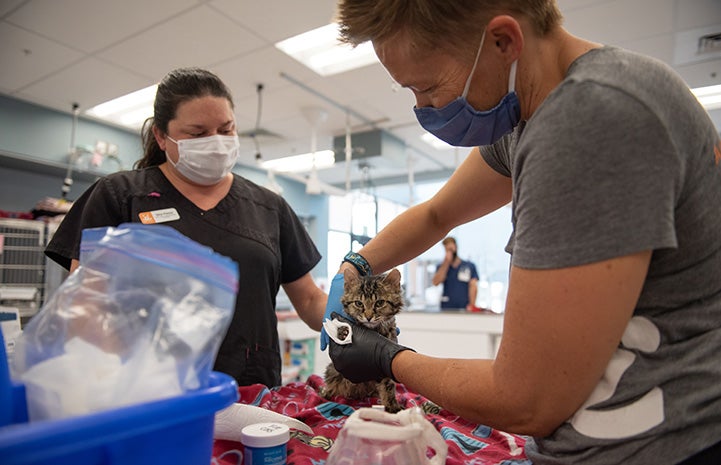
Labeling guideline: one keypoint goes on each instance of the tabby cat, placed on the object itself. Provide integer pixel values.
(373, 301)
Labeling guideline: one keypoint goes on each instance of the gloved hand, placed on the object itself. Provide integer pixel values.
(367, 358)
(333, 305)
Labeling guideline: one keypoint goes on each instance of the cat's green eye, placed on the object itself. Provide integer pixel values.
(358, 303)
(380, 303)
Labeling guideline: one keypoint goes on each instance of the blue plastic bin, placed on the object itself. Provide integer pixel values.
(173, 431)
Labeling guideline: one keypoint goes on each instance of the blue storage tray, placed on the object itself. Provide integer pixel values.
(173, 431)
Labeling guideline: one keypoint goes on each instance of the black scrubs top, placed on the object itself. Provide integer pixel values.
(251, 225)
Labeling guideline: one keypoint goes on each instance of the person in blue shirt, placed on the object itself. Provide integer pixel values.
(459, 278)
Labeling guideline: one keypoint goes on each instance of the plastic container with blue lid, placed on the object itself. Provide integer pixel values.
(265, 443)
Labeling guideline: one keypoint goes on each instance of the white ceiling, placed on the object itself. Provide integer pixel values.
(57, 52)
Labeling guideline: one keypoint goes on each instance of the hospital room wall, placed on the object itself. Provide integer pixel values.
(34, 147)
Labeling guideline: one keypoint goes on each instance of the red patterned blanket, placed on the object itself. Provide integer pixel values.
(468, 443)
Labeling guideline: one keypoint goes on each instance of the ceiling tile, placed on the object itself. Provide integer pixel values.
(693, 14)
(619, 21)
(88, 82)
(264, 66)
(27, 57)
(200, 37)
(91, 25)
(275, 21)
(356, 84)
(371, 87)
(660, 47)
(7, 6)
(570, 5)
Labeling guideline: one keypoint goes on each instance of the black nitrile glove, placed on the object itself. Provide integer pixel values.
(367, 358)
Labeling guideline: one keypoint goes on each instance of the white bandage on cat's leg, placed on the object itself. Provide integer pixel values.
(331, 328)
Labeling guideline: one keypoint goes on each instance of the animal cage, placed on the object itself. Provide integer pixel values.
(22, 265)
(54, 273)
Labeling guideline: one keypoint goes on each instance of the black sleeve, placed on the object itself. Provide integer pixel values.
(97, 206)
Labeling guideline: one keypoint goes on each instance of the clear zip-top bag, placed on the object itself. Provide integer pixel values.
(140, 319)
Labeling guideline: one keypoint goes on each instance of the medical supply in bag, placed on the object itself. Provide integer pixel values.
(375, 437)
(140, 319)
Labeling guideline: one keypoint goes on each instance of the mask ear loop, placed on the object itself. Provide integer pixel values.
(512, 77)
(172, 163)
(473, 70)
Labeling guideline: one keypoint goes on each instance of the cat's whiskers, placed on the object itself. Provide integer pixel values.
(372, 324)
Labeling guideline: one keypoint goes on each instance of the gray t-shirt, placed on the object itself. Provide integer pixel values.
(618, 159)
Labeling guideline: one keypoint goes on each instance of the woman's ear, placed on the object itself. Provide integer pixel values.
(506, 35)
(159, 137)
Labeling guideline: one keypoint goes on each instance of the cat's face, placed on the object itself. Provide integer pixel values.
(372, 300)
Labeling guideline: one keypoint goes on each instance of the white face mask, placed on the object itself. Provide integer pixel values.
(206, 160)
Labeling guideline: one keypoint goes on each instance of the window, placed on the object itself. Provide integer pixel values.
(357, 217)
(353, 220)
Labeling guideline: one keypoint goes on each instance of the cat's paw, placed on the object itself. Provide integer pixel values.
(393, 407)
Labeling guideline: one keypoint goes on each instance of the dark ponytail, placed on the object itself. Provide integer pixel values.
(178, 86)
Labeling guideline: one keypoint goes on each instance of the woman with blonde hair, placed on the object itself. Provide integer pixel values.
(611, 348)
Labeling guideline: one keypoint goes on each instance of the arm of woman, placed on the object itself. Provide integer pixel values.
(422, 226)
(561, 328)
(308, 300)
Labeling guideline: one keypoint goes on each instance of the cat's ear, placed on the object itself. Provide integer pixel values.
(349, 277)
(393, 277)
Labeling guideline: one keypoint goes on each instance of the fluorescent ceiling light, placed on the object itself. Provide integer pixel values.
(435, 142)
(130, 110)
(301, 163)
(710, 96)
(321, 51)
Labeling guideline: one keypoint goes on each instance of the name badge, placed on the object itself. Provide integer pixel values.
(464, 274)
(159, 216)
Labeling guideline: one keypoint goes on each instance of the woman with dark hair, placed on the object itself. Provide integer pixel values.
(184, 180)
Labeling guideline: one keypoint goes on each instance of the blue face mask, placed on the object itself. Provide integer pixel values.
(461, 125)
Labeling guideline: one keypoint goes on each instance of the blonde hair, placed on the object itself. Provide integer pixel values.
(436, 23)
